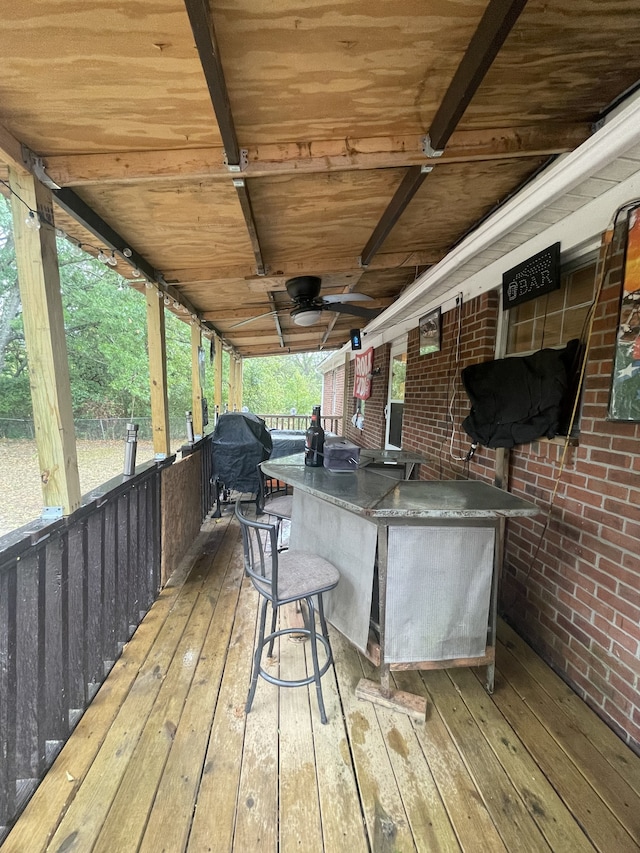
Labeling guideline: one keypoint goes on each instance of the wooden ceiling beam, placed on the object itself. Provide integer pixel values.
(247, 211)
(328, 155)
(204, 34)
(497, 22)
(13, 153)
(409, 186)
(185, 276)
(199, 12)
(494, 27)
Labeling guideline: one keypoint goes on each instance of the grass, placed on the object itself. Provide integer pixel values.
(20, 491)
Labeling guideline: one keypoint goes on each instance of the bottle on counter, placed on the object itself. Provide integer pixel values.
(314, 441)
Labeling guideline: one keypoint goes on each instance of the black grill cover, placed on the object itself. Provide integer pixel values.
(241, 441)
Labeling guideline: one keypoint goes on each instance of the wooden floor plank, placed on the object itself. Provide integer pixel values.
(550, 813)
(600, 826)
(127, 818)
(178, 789)
(515, 824)
(300, 826)
(214, 817)
(343, 825)
(41, 818)
(387, 823)
(257, 806)
(600, 736)
(603, 778)
(430, 824)
(529, 768)
(83, 821)
(468, 814)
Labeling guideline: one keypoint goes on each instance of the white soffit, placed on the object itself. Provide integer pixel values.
(572, 201)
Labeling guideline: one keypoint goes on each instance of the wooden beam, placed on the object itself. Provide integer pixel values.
(319, 156)
(382, 261)
(247, 211)
(409, 186)
(196, 385)
(239, 379)
(199, 12)
(493, 29)
(217, 369)
(39, 280)
(13, 153)
(158, 375)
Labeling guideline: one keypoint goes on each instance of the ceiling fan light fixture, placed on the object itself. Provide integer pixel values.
(307, 317)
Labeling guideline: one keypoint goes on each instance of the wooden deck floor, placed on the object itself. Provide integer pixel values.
(166, 760)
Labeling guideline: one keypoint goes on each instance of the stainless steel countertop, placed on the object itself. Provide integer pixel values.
(368, 493)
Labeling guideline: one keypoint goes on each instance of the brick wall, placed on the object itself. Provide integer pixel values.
(571, 589)
(373, 434)
(578, 602)
(332, 392)
(435, 401)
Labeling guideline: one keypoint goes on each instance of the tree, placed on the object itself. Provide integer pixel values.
(278, 384)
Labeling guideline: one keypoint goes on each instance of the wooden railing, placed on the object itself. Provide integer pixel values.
(330, 423)
(71, 594)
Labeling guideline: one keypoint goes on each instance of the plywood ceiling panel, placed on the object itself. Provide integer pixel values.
(190, 224)
(332, 98)
(102, 76)
(453, 198)
(301, 71)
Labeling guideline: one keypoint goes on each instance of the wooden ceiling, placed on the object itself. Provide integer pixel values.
(232, 145)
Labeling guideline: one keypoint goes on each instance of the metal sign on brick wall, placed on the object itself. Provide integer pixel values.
(532, 278)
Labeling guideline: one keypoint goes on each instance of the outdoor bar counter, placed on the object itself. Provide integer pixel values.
(418, 564)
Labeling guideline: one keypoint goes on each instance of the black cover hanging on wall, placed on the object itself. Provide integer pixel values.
(516, 400)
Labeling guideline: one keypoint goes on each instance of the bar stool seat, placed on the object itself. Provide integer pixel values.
(279, 507)
(283, 578)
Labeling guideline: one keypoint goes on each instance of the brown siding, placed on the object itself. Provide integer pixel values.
(181, 510)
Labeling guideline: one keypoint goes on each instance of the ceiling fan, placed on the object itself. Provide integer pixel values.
(308, 305)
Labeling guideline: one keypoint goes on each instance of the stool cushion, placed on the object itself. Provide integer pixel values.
(280, 507)
(301, 574)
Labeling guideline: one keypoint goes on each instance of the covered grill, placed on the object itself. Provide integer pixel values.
(241, 441)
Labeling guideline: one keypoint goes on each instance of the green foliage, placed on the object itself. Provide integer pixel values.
(278, 384)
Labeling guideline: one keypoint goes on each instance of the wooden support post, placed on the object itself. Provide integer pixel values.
(217, 369)
(39, 280)
(158, 375)
(239, 367)
(196, 385)
(346, 395)
(232, 383)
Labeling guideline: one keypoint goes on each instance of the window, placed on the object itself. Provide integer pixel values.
(555, 319)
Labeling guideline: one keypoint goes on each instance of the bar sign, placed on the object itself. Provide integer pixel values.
(538, 275)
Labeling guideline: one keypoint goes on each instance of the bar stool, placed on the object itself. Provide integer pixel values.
(279, 506)
(283, 578)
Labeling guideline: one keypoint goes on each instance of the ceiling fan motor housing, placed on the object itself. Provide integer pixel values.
(304, 288)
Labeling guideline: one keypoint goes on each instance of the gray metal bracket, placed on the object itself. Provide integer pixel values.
(242, 165)
(428, 150)
(51, 513)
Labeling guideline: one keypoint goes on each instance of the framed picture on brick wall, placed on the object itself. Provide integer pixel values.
(430, 332)
(624, 402)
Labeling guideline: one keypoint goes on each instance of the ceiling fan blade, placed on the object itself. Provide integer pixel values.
(355, 310)
(347, 297)
(251, 319)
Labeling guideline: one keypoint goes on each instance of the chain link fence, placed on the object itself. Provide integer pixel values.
(93, 429)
